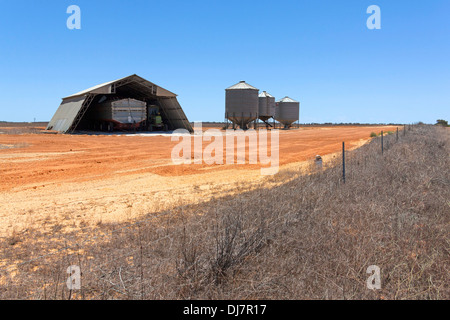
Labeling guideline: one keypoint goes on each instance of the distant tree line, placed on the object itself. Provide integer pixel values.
(441, 122)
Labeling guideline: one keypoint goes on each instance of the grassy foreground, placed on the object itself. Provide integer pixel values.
(312, 237)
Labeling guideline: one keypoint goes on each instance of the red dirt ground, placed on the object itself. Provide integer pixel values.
(39, 159)
(69, 182)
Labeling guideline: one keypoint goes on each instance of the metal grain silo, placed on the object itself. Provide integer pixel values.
(266, 106)
(241, 104)
(287, 111)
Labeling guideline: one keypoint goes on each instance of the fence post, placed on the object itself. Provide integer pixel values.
(397, 133)
(382, 146)
(404, 129)
(343, 161)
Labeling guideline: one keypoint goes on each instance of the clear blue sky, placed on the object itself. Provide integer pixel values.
(318, 52)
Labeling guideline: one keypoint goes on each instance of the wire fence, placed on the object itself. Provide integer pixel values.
(386, 141)
(123, 272)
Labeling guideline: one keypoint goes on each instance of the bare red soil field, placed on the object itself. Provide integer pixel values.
(41, 159)
(68, 182)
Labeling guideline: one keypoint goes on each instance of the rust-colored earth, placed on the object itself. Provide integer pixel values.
(38, 160)
(73, 180)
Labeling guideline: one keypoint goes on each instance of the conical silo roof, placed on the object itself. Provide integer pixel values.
(287, 99)
(265, 94)
(242, 85)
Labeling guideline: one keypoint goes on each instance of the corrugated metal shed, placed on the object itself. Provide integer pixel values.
(67, 111)
(73, 107)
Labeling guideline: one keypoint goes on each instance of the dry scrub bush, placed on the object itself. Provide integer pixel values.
(310, 238)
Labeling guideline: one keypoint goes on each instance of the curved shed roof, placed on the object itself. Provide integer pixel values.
(73, 107)
(108, 87)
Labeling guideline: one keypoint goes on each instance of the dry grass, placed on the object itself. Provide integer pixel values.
(310, 238)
